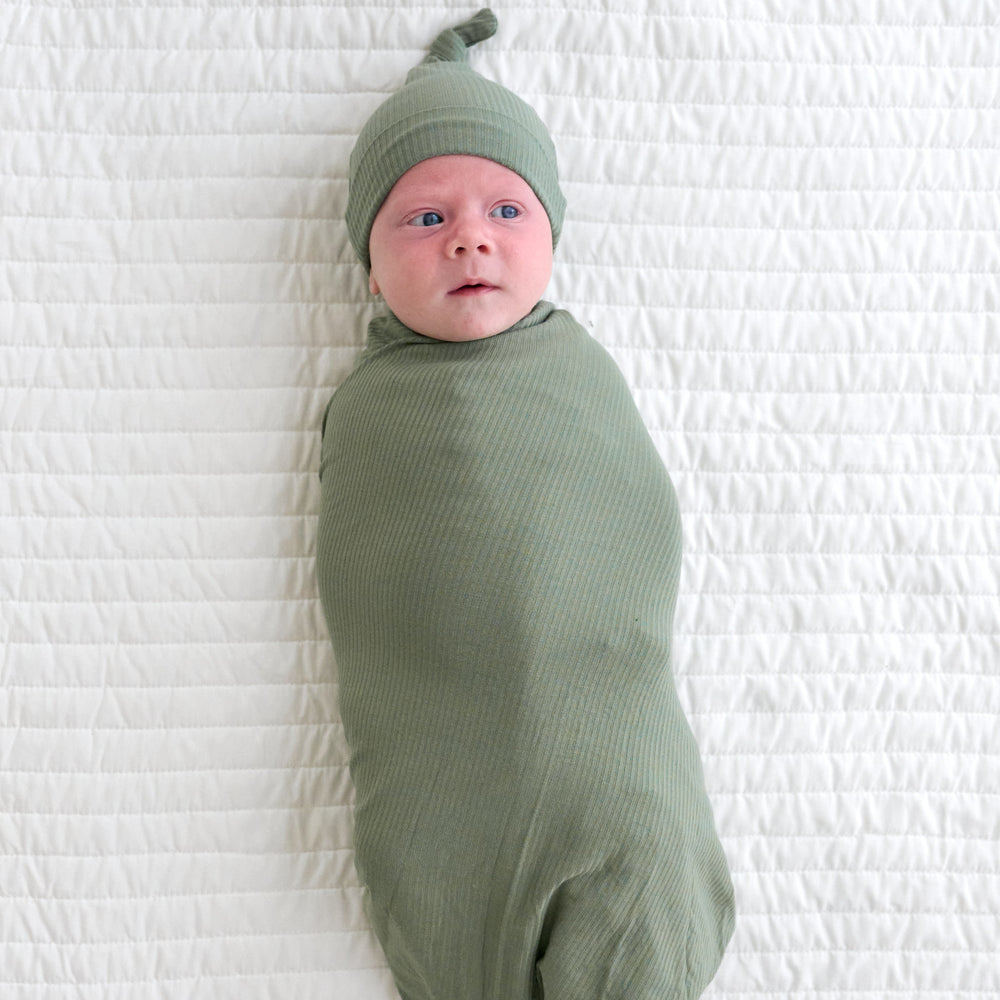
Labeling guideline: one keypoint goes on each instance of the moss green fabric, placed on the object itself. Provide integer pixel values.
(498, 558)
(446, 108)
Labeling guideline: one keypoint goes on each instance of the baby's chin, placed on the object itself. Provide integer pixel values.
(467, 326)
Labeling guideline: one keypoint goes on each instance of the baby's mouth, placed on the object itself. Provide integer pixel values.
(473, 288)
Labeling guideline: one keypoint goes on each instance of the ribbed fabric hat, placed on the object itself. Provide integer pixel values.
(446, 108)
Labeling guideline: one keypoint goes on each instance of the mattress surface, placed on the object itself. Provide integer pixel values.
(783, 224)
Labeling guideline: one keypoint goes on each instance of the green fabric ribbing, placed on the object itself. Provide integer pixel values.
(498, 557)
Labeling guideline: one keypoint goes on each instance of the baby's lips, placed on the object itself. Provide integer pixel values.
(473, 283)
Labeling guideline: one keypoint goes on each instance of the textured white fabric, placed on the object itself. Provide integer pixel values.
(783, 221)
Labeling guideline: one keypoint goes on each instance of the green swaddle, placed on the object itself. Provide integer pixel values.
(498, 559)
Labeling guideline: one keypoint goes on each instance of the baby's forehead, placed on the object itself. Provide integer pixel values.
(455, 169)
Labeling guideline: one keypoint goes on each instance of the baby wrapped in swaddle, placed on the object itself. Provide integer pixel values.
(498, 559)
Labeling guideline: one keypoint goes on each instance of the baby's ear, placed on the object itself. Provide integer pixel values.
(372, 284)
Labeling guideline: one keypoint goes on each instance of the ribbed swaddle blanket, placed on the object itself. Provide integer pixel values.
(498, 558)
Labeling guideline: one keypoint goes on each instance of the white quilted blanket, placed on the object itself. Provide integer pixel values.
(783, 222)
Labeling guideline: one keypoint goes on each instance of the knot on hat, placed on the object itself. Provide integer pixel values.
(453, 44)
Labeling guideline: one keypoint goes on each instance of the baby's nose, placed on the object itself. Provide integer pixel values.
(470, 237)
(460, 248)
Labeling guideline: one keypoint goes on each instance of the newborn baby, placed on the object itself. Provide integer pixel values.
(498, 558)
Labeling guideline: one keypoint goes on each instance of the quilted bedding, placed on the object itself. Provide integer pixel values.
(783, 224)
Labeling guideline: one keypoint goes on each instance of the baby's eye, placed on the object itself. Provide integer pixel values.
(505, 212)
(427, 219)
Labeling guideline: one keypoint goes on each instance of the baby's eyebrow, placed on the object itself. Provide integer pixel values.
(432, 198)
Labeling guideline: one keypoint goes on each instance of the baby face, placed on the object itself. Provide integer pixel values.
(461, 248)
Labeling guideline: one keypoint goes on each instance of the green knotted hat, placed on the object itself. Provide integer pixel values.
(444, 108)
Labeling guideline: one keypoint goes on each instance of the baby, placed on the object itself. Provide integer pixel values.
(498, 559)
